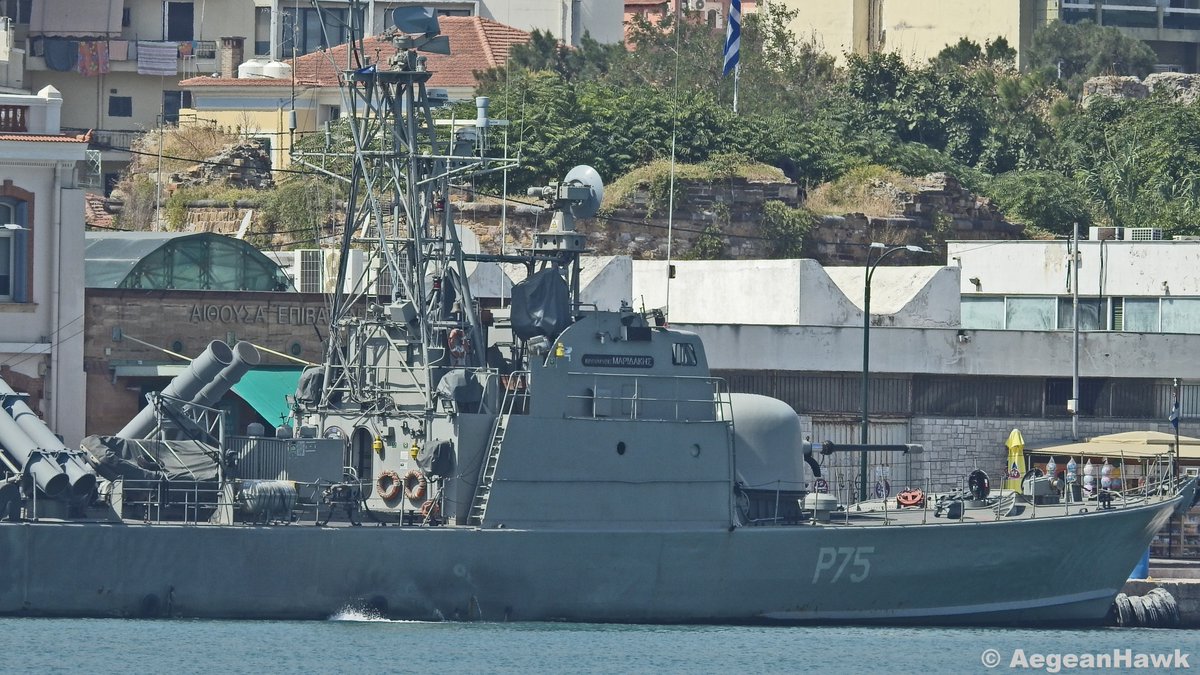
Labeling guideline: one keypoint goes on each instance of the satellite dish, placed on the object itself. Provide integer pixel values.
(416, 20)
(586, 176)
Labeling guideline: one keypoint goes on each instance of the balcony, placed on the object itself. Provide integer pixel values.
(194, 57)
(108, 139)
(1142, 19)
(14, 118)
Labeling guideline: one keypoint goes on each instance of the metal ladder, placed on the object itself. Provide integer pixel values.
(488, 473)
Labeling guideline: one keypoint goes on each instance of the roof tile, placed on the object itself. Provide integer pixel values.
(476, 44)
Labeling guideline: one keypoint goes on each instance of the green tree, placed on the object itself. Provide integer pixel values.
(1044, 199)
(1074, 52)
(786, 229)
(1138, 162)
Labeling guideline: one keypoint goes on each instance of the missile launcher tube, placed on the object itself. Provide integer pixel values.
(202, 371)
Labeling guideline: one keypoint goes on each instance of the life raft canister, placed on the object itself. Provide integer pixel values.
(911, 497)
(388, 485)
(415, 485)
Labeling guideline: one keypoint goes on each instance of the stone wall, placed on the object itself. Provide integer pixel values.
(246, 164)
(939, 209)
(736, 206)
(202, 217)
(956, 447)
(1181, 87)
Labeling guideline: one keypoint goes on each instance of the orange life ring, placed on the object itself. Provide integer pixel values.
(389, 485)
(912, 497)
(431, 510)
(457, 342)
(415, 492)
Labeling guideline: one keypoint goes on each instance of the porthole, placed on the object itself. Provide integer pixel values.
(295, 349)
(621, 447)
(177, 346)
(695, 450)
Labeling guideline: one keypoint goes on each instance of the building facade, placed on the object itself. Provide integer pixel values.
(41, 244)
(919, 29)
(937, 376)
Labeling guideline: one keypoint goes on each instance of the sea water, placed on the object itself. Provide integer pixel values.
(363, 644)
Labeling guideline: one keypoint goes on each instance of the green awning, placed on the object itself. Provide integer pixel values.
(265, 390)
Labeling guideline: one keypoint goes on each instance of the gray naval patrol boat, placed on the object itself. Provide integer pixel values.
(545, 461)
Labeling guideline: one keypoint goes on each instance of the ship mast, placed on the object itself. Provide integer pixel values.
(397, 211)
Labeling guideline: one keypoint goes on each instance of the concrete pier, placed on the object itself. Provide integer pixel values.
(1180, 578)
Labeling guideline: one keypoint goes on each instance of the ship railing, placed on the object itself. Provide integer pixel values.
(159, 501)
(1157, 484)
(200, 502)
(640, 397)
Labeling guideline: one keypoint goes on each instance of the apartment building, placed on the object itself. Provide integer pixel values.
(41, 246)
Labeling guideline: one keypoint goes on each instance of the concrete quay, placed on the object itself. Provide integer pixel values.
(1180, 578)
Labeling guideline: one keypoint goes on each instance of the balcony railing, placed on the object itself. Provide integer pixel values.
(1132, 14)
(14, 118)
(108, 139)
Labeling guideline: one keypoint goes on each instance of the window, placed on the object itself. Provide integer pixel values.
(13, 247)
(180, 21)
(120, 106)
(307, 30)
(1091, 314)
(17, 10)
(126, 17)
(173, 101)
(1031, 313)
(983, 313)
(262, 31)
(6, 265)
(1140, 315)
(1180, 315)
(683, 354)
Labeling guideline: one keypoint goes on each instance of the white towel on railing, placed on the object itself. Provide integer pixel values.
(157, 58)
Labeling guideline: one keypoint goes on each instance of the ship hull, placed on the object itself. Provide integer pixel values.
(1048, 570)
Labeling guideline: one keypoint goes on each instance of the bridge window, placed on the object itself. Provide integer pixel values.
(683, 354)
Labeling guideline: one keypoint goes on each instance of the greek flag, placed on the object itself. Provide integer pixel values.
(1173, 418)
(733, 35)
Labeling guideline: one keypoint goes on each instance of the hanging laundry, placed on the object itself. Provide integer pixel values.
(186, 49)
(93, 58)
(118, 50)
(61, 55)
(158, 58)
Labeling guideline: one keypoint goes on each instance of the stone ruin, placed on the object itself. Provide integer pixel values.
(1181, 87)
(245, 164)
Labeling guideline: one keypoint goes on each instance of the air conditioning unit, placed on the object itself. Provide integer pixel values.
(1143, 234)
(696, 5)
(315, 270)
(1105, 233)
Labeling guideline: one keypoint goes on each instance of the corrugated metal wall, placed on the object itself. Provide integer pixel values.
(811, 393)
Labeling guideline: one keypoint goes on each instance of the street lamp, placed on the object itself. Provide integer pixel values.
(870, 272)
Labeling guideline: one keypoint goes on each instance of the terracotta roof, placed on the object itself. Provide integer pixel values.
(40, 138)
(476, 43)
(644, 3)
